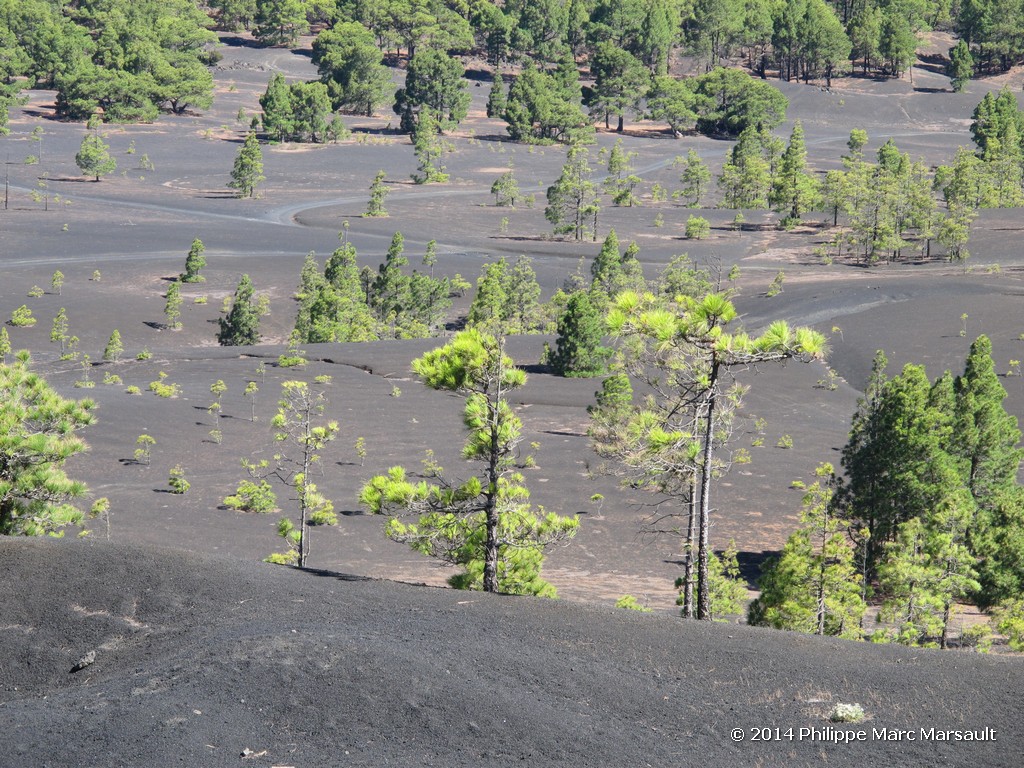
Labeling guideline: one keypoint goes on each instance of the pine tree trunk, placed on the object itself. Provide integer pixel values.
(946, 615)
(491, 504)
(821, 577)
(691, 535)
(303, 499)
(703, 552)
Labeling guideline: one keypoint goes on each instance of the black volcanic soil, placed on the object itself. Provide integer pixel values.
(198, 659)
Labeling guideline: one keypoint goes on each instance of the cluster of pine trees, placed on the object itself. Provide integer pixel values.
(927, 514)
(130, 57)
(299, 112)
(346, 303)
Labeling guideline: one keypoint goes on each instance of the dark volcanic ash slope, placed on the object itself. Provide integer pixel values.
(197, 660)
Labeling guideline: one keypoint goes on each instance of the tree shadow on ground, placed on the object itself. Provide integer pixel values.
(750, 564)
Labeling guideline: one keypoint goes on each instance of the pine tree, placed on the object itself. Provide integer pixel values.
(572, 200)
(485, 524)
(578, 352)
(337, 309)
(349, 62)
(987, 437)
(37, 437)
(172, 308)
(997, 541)
(378, 193)
(505, 189)
(280, 22)
(606, 269)
(488, 312)
(961, 66)
(276, 102)
(436, 81)
(794, 191)
(672, 446)
(59, 331)
(390, 294)
(248, 169)
(621, 181)
(907, 575)
(300, 439)
(746, 180)
(523, 292)
(241, 326)
(112, 352)
(93, 157)
(430, 257)
(497, 102)
(813, 585)
(429, 148)
(695, 178)
(897, 462)
(194, 263)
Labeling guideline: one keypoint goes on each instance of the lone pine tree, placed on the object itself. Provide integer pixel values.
(194, 263)
(247, 172)
(241, 326)
(573, 198)
(378, 193)
(675, 439)
(93, 157)
(484, 524)
(301, 439)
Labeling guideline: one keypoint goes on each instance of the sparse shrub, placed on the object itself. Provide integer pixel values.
(785, 442)
(161, 388)
(35, 292)
(630, 603)
(396, 392)
(775, 288)
(978, 638)
(145, 449)
(112, 378)
(1009, 620)
(177, 480)
(697, 228)
(22, 317)
(145, 354)
(323, 379)
(253, 497)
(323, 517)
(846, 713)
(132, 390)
